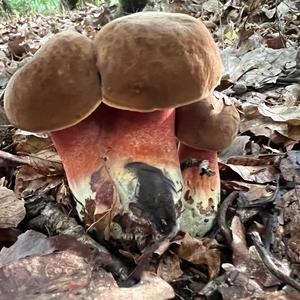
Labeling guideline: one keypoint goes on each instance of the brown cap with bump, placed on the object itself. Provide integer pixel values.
(156, 60)
(58, 88)
(210, 124)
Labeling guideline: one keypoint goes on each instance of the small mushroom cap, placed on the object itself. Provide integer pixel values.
(210, 124)
(58, 88)
(156, 60)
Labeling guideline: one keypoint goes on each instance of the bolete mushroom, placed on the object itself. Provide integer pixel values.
(122, 166)
(203, 129)
(153, 60)
(120, 157)
(59, 87)
(170, 60)
(124, 169)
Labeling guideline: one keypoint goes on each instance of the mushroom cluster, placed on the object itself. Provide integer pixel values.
(138, 126)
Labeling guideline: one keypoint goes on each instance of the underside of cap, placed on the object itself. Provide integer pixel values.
(210, 124)
(156, 60)
(58, 88)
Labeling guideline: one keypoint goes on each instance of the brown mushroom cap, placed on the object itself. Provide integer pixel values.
(156, 60)
(210, 124)
(58, 88)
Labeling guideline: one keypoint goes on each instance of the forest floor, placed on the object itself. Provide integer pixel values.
(253, 252)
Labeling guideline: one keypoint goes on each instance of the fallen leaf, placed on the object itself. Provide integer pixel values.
(29, 143)
(290, 166)
(200, 251)
(30, 243)
(169, 267)
(239, 244)
(281, 113)
(29, 182)
(258, 174)
(236, 148)
(258, 66)
(12, 210)
(289, 206)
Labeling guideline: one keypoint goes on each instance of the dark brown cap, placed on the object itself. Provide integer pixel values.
(210, 124)
(58, 88)
(156, 60)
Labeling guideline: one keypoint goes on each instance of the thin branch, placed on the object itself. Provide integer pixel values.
(268, 260)
(222, 216)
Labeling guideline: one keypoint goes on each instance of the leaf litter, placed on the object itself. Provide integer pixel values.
(259, 43)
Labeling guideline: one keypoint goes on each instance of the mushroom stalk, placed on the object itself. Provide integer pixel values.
(209, 125)
(123, 168)
(201, 191)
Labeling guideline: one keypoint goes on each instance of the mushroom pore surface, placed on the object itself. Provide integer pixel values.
(156, 60)
(58, 88)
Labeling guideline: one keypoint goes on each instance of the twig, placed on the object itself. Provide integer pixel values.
(7, 159)
(46, 166)
(268, 260)
(222, 216)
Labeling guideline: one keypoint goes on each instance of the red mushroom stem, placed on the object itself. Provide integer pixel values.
(201, 192)
(125, 163)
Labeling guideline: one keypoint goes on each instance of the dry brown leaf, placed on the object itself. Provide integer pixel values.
(200, 251)
(255, 192)
(257, 269)
(12, 209)
(61, 274)
(290, 167)
(163, 247)
(263, 127)
(278, 295)
(240, 284)
(29, 143)
(63, 195)
(258, 66)
(169, 267)
(281, 113)
(29, 182)
(259, 174)
(45, 161)
(236, 148)
(151, 287)
(67, 274)
(239, 244)
(289, 205)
